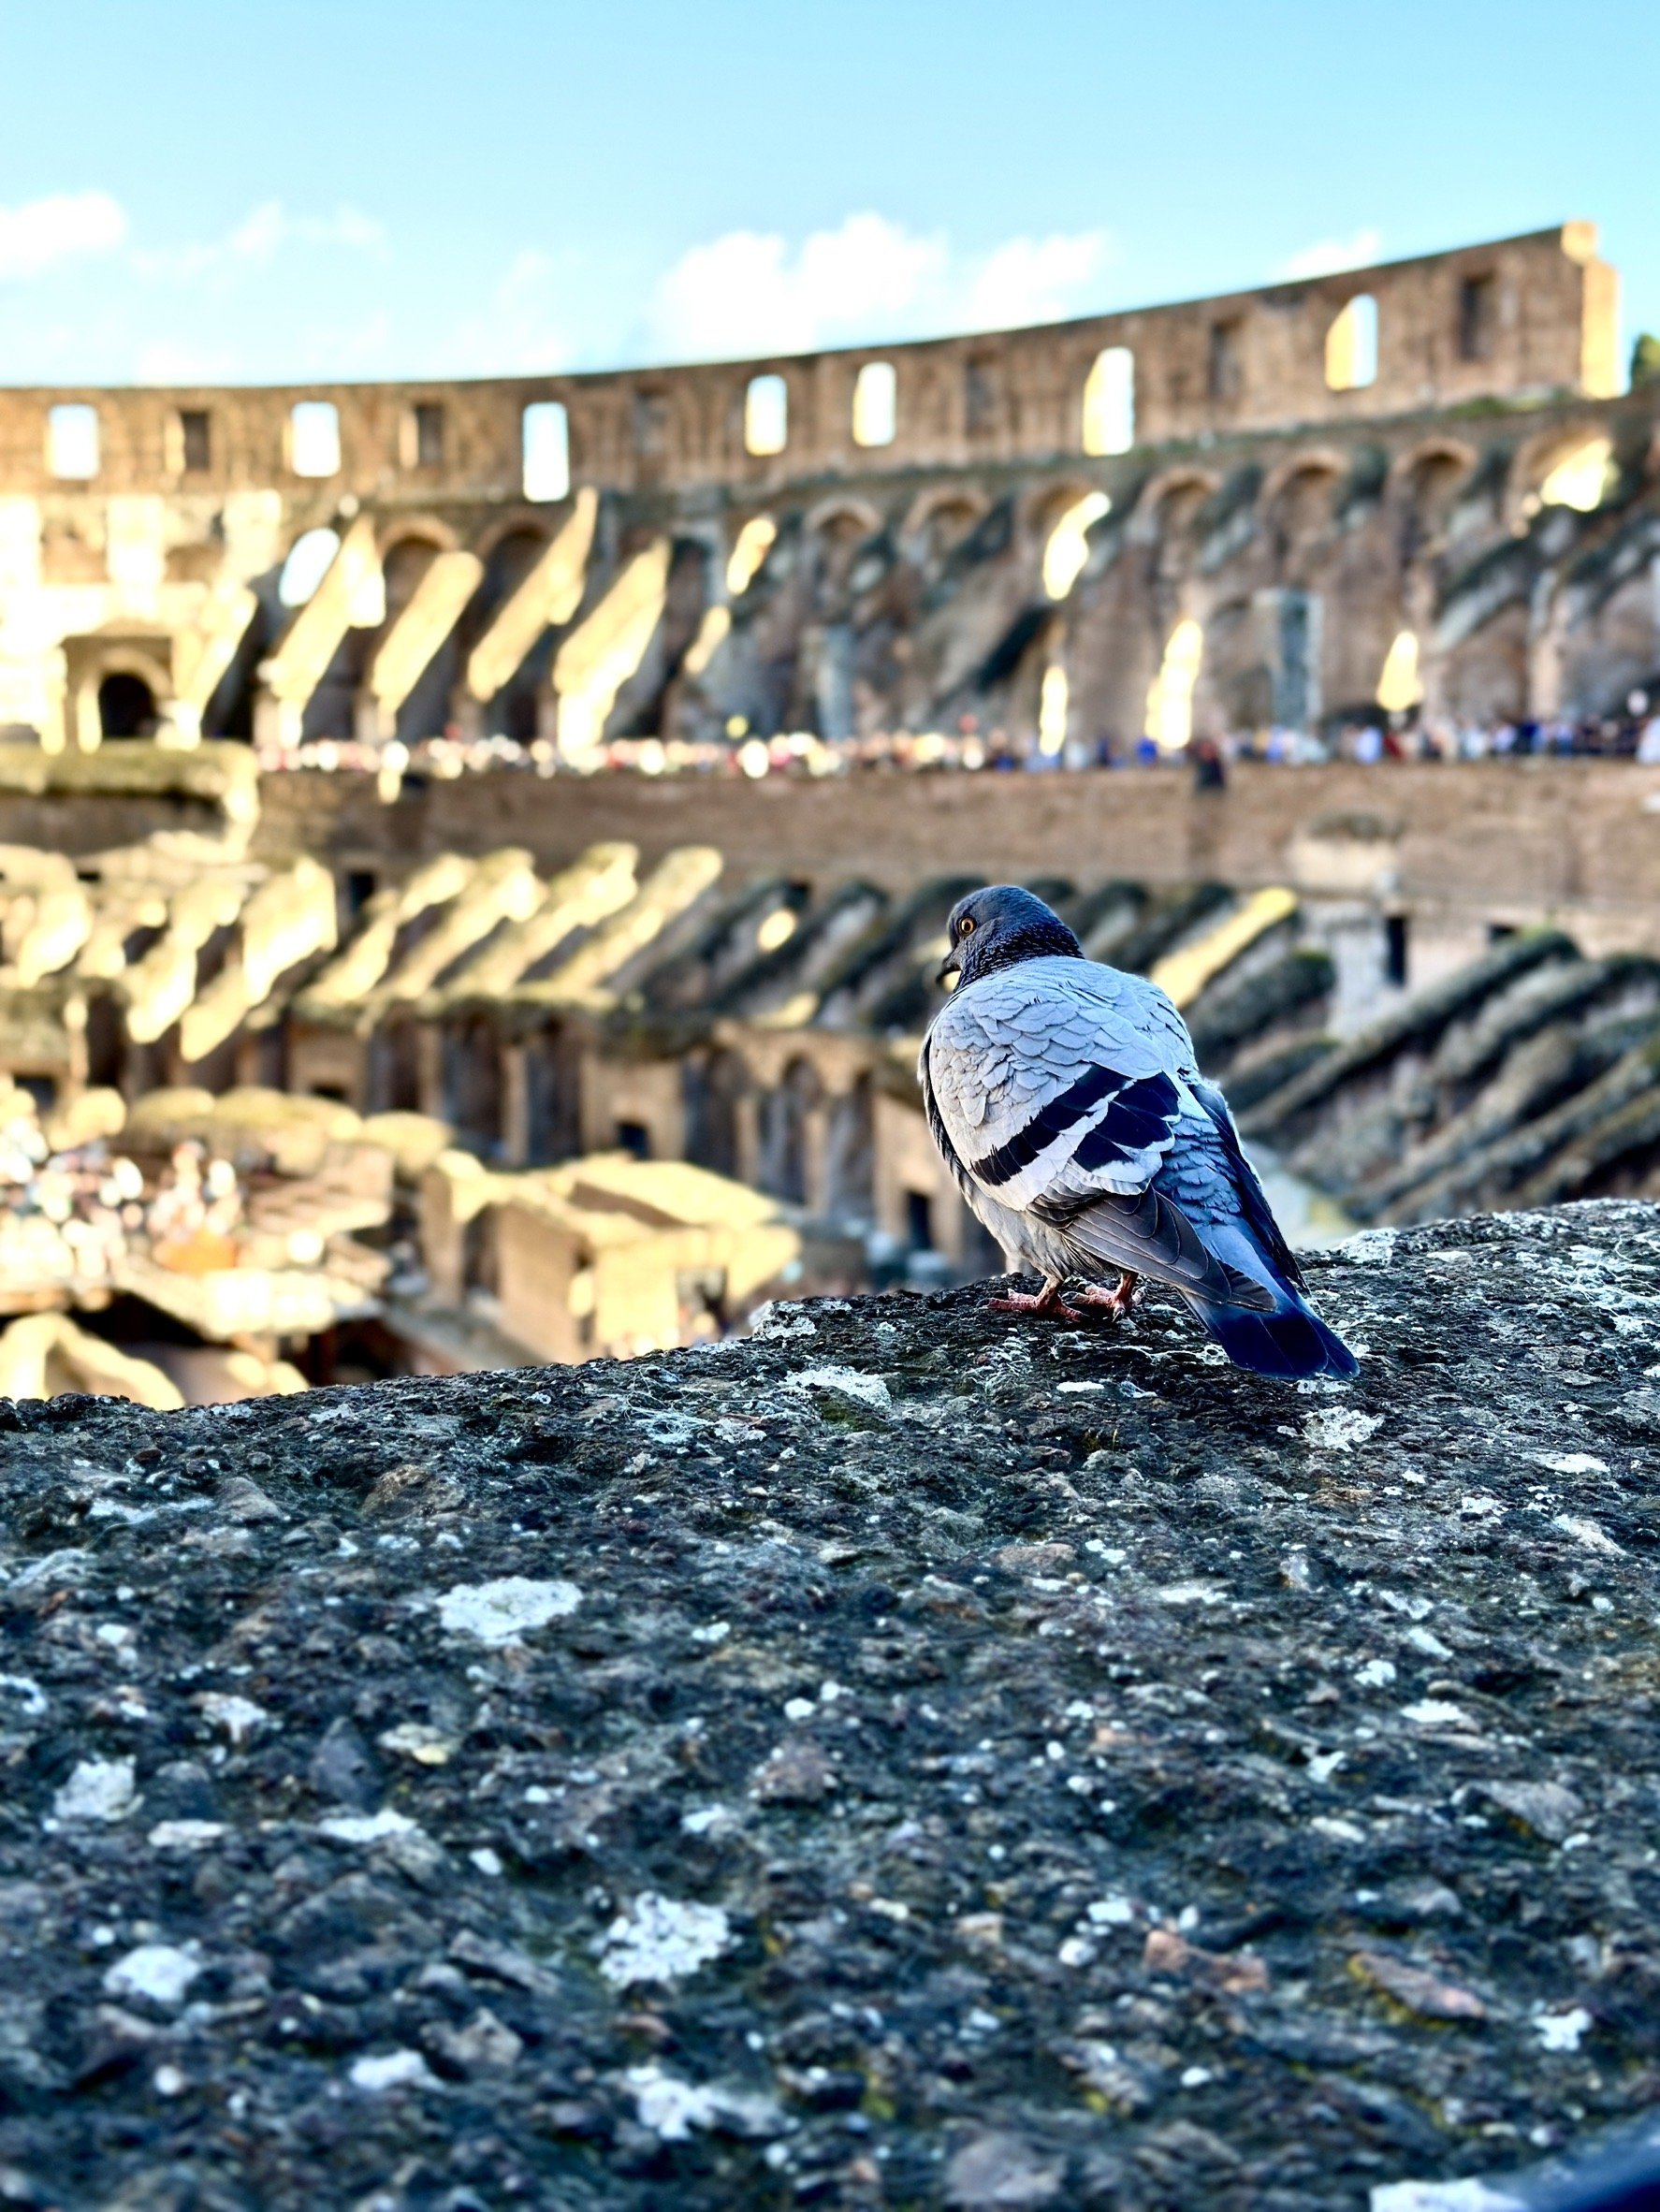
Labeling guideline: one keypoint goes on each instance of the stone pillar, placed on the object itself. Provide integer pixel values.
(515, 1107)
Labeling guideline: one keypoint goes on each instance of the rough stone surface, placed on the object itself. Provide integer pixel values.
(1077, 1774)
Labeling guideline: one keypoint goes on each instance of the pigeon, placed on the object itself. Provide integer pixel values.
(1066, 1101)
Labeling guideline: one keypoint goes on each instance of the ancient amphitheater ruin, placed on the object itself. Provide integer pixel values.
(1431, 985)
(1260, 502)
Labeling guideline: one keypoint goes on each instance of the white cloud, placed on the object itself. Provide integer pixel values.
(163, 362)
(520, 335)
(262, 233)
(1332, 256)
(746, 293)
(1036, 280)
(66, 223)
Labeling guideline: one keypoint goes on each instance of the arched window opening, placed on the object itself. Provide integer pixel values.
(849, 1165)
(1053, 702)
(72, 440)
(544, 431)
(876, 404)
(1400, 687)
(126, 707)
(1351, 345)
(1109, 401)
(1066, 549)
(714, 1095)
(307, 565)
(750, 547)
(1169, 696)
(766, 416)
(1581, 478)
(313, 438)
(784, 1133)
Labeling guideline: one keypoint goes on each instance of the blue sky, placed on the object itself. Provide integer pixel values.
(228, 192)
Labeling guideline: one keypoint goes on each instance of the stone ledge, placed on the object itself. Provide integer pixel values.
(903, 1758)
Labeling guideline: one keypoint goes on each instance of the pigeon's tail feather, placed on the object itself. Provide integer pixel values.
(1294, 1343)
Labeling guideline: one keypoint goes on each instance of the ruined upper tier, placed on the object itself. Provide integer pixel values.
(1525, 317)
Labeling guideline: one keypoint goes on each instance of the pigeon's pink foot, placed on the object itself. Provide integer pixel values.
(1048, 1302)
(1116, 1302)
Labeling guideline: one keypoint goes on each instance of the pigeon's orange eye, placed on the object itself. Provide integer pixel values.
(965, 926)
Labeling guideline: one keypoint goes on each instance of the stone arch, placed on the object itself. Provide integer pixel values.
(423, 528)
(405, 560)
(938, 521)
(128, 666)
(525, 522)
(850, 1156)
(839, 514)
(785, 1164)
(1169, 502)
(1298, 500)
(1424, 483)
(1536, 457)
(716, 1089)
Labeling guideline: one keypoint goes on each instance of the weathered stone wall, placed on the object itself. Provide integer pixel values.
(1303, 528)
(907, 1758)
(1461, 845)
(1550, 329)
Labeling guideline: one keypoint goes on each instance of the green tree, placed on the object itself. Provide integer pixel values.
(1645, 358)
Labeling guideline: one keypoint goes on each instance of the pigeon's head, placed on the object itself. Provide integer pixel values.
(999, 926)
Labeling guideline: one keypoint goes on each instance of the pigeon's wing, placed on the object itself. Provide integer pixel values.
(1057, 1088)
(1245, 1194)
(1050, 1087)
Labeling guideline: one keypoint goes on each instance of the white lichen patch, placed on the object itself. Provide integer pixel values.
(238, 1717)
(1339, 1428)
(500, 1612)
(98, 1789)
(671, 2107)
(162, 1972)
(367, 1828)
(1371, 1248)
(660, 1938)
(1573, 1463)
(1562, 2032)
(1442, 2196)
(392, 2070)
(1432, 1712)
(775, 1320)
(1589, 1532)
(1376, 1674)
(869, 1389)
(185, 1835)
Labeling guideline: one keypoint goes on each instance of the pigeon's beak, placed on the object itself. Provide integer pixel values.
(948, 967)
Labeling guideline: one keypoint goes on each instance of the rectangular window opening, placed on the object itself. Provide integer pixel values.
(766, 415)
(876, 404)
(1351, 345)
(1224, 366)
(427, 423)
(72, 440)
(195, 440)
(1395, 950)
(981, 397)
(313, 438)
(545, 430)
(633, 1137)
(1476, 294)
(919, 1221)
(1109, 401)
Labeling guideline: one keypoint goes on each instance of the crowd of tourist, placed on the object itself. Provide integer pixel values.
(1633, 734)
